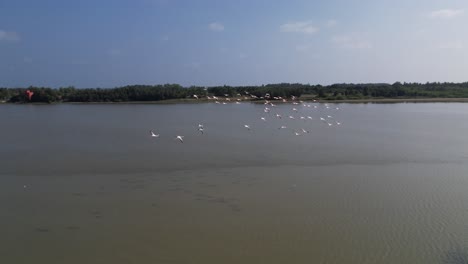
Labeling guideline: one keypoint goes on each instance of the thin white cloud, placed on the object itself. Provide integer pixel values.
(8, 36)
(302, 48)
(332, 23)
(446, 13)
(351, 42)
(453, 45)
(242, 56)
(216, 26)
(165, 38)
(305, 27)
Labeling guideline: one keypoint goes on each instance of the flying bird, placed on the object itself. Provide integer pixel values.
(181, 138)
(153, 134)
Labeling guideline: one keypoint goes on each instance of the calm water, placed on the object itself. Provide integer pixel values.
(87, 184)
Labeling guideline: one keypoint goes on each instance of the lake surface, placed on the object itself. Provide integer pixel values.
(87, 184)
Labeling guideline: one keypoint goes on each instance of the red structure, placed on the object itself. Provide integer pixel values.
(29, 94)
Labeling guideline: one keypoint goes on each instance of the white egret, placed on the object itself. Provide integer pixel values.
(181, 138)
(153, 134)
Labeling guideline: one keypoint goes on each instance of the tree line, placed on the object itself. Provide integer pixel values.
(285, 90)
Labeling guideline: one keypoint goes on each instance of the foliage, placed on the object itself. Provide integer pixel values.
(284, 90)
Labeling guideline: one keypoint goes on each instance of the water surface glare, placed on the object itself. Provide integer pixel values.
(88, 184)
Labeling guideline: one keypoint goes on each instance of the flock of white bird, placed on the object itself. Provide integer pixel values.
(328, 120)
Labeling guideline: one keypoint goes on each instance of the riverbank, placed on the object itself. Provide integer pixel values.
(399, 100)
(306, 99)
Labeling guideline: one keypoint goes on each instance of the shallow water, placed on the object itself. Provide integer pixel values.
(86, 184)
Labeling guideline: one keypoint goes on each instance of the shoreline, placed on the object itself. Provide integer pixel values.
(309, 100)
(399, 100)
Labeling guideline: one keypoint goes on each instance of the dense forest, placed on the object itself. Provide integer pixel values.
(285, 90)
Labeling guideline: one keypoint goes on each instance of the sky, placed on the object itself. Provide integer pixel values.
(110, 43)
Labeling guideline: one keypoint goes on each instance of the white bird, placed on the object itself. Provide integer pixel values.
(338, 123)
(238, 103)
(196, 96)
(201, 130)
(305, 131)
(262, 118)
(309, 117)
(153, 134)
(282, 127)
(330, 116)
(325, 121)
(200, 125)
(181, 138)
(217, 102)
(294, 109)
(247, 126)
(278, 116)
(302, 118)
(297, 133)
(224, 102)
(292, 117)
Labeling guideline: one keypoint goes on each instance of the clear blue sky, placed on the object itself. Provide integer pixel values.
(97, 43)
